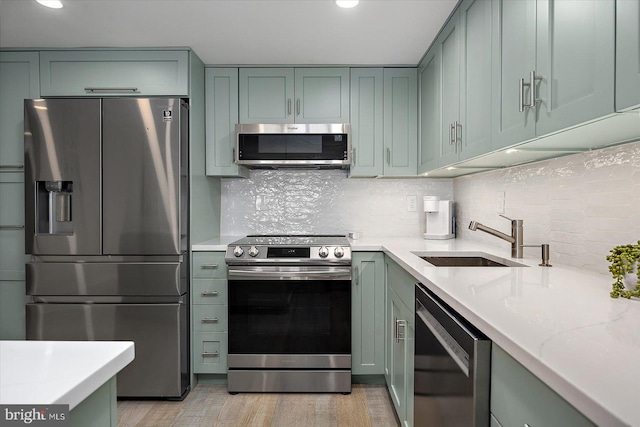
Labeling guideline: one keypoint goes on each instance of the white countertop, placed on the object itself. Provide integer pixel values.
(215, 244)
(58, 372)
(559, 322)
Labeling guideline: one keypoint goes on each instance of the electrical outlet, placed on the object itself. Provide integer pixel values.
(412, 204)
(500, 200)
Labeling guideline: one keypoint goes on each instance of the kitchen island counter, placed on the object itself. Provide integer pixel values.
(558, 322)
(58, 372)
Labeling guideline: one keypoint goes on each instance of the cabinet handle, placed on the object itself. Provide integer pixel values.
(356, 274)
(11, 167)
(289, 106)
(233, 154)
(111, 89)
(451, 137)
(533, 96)
(298, 106)
(209, 266)
(388, 156)
(521, 94)
(457, 139)
(400, 324)
(209, 294)
(209, 320)
(210, 354)
(11, 227)
(353, 155)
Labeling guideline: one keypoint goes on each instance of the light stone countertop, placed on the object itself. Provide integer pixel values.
(559, 322)
(58, 372)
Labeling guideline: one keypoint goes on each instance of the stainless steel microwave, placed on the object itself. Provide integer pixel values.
(293, 145)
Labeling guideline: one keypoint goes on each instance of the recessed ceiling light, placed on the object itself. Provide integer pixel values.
(53, 4)
(347, 3)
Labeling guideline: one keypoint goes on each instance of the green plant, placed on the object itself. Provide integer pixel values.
(622, 261)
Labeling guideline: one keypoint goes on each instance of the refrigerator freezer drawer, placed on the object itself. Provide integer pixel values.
(107, 278)
(161, 365)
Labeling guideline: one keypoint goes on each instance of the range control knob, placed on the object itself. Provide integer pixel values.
(323, 252)
(338, 252)
(253, 252)
(238, 251)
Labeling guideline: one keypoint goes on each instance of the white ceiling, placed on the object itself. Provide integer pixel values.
(236, 32)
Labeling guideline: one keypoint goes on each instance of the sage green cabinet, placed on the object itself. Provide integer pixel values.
(294, 95)
(19, 80)
(627, 54)
(209, 313)
(455, 89)
(114, 73)
(12, 310)
(400, 332)
(367, 101)
(221, 105)
(367, 316)
(567, 48)
(400, 121)
(519, 398)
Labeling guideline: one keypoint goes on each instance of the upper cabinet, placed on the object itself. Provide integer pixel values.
(455, 89)
(627, 54)
(221, 105)
(367, 139)
(294, 95)
(18, 81)
(553, 66)
(114, 73)
(400, 122)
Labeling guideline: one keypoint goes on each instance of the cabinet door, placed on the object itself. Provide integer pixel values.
(114, 73)
(475, 78)
(430, 121)
(367, 317)
(366, 122)
(266, 95)
(397, 376)
(627, 54)
(449, 45)
(12, 255)
(18, 81)
(400, 121)
(575, 58)
(322, 95)
(221, 98)
(513, 58)
(12, 310)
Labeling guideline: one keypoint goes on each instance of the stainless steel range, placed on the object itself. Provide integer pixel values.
(289, 314)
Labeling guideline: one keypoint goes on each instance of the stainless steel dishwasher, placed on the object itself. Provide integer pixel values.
(451, 367)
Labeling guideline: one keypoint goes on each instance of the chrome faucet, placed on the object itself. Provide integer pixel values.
(515, 239)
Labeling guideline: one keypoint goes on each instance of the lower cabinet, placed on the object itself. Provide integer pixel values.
(400, 332)
(518, 398)
(12, 310)
(209, 313)
(367, 315)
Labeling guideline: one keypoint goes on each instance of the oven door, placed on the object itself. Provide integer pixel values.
(289, 317)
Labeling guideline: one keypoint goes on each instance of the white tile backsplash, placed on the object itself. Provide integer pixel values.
(582, 205)
(325, 201)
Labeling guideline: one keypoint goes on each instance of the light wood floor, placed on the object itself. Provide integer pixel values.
(211, 405)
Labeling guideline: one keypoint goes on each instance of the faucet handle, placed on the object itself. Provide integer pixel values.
(514, 222)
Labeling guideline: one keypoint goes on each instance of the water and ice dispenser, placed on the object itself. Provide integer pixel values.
(439, 218)
(54, 207)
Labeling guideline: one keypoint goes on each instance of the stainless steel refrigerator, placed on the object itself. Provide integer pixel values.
(106, 186)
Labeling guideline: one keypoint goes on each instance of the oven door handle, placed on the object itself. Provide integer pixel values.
(265, 274)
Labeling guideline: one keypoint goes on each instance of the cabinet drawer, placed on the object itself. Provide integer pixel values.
(209, 265)
(519, 398)
(210, 318)
(209, 353)
(210, 291)
(119, 73)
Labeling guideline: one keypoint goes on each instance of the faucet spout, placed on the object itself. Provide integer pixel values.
(516, 238)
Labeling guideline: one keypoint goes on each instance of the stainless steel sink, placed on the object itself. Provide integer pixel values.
(462, 261)
(466, 259)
